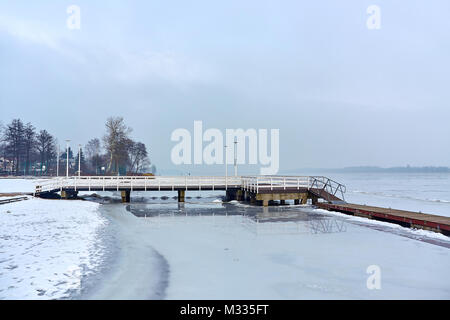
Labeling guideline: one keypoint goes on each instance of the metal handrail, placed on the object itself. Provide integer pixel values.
(328, 185)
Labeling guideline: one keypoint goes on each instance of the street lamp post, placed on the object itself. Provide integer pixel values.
(79, 160)
(226, 168)
(67, 158)
(57, 162)
(235, 157)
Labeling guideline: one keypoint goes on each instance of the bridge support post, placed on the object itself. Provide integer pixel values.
(282, 202)
(125, 196)
(68, 194)
(240, 195)
(264, 199)
(304, 198)
(232, 194)
(181, 194)
(296, 201)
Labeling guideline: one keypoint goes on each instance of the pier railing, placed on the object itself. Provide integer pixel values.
(321, 186)
(259, 183)
(108, 183)
(326, 188)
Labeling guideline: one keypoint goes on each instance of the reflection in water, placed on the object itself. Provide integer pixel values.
(327, 226)
(256, 219)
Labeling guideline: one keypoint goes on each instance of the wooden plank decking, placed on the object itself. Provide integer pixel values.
(402, 217)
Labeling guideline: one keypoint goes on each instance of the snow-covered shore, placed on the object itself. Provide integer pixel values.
(11, 185)
(47, 247)
(137, 270)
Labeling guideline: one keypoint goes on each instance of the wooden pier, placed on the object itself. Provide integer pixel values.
(404, 218)
(11, 200)
(256, 189)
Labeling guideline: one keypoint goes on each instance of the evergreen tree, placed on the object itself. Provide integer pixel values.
(14, 139)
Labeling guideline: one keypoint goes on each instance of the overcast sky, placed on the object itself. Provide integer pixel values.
(341, 94)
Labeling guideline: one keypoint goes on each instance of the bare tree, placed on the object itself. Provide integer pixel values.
(46, 148)
(93, 150)
(138, 156)
(116, 142)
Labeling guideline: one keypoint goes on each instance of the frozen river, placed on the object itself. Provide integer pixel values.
(208, 250)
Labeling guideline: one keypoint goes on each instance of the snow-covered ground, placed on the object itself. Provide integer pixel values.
(17, 185)
(47, 247)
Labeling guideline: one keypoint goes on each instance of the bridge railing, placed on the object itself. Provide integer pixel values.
(143, 183)
(258, 183)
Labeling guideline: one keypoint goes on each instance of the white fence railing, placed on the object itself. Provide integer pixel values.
(257, 183)
(248, 183)
(108, 183)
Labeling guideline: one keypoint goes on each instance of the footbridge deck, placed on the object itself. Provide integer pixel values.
(257, 187)
(402, 217)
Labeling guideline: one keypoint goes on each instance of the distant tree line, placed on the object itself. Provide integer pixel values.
(26, 151)
(406, 169)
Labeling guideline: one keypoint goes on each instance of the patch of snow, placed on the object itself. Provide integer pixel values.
(17, 185)
(47, 246)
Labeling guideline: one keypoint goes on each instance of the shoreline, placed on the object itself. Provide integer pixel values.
(136, 270)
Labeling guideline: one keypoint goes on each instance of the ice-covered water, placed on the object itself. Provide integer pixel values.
(232, 257)
(425, 192)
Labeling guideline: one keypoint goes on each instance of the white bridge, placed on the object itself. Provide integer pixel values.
(321, 187)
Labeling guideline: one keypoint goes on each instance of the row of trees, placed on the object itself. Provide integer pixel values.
(27, 151)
